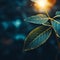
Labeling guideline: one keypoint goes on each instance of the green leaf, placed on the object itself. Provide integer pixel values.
(57, 14)
(47, 24)
(37, 37)
(37, 19)
(56, 26)
(56, 23)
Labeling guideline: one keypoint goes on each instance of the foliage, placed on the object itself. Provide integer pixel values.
(40, 35)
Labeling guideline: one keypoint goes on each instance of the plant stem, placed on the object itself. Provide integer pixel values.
(58, 42)
(47, 13)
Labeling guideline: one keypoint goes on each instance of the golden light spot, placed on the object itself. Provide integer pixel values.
(42, 5)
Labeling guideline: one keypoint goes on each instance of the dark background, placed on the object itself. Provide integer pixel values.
(13, 31)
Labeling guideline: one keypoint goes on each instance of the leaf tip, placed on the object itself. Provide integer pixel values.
(27, 49)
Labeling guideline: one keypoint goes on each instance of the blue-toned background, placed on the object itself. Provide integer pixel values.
(13, 31)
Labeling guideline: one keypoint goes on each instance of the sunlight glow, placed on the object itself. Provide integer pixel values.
(41, 5)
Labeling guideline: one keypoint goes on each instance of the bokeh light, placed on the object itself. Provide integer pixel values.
(17, 23)
(5, 25)
(19, 36)
(14, 29)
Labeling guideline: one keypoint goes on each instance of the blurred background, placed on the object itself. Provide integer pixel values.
(14, 30)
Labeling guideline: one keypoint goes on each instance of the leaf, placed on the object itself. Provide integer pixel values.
(57, 14)
(47, 23)
(56, 23)
(37, 19)
(37, 37)
(56, 26)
